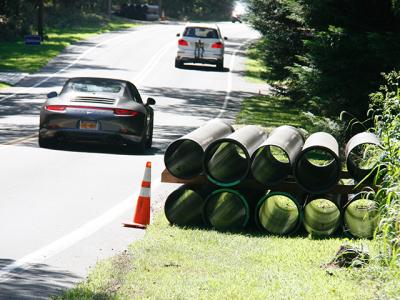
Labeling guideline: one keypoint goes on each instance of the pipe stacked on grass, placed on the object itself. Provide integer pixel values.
(227, 160)
(322, 216)
(184, 157)
(278, 213)
(360, 215)
(362, 153)
(272, 162)
(317, 167)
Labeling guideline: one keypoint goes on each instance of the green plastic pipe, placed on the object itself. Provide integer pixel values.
(278, 213)
(226, 209)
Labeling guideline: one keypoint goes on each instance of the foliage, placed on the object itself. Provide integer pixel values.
(199, 9)
(328, 54)
(386, 103)
(16, 56)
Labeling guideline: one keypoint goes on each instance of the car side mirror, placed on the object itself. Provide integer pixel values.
(52, 95)
(150, 101)
(178, 34)
(225, 38)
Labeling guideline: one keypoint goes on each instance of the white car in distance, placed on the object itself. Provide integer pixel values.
(200, 43)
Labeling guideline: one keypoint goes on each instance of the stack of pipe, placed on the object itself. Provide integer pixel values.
(227, 158)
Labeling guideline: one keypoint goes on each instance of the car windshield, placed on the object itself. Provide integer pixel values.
(200, 32)
(94, 86)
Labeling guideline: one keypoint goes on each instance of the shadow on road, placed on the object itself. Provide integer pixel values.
(40, 281)
(202, 68)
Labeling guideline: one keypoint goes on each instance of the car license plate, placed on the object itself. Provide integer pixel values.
(91, 125)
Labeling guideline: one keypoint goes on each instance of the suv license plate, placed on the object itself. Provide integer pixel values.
(91, 125)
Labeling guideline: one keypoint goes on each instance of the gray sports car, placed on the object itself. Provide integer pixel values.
(97, 110)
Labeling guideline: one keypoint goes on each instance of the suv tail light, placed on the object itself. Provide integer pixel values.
(125, 112)
(183, 43)
(55, 107)
(217, 45)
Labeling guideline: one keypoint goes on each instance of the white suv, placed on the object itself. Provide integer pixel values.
(200, 43)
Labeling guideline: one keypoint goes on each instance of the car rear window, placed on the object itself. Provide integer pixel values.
(201, 32)
(94, 86)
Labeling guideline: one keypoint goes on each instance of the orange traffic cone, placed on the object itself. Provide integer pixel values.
(142, 214)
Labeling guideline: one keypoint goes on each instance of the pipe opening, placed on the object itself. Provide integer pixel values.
(184, 207)
(317, 170)
(226, 210)
(270, 165)
(321, 217)
(361, 218)
(226, 163)
(362, 159)
(183, 159)
(278, 213)
(319, 158)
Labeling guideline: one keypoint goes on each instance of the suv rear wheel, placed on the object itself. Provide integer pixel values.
(220, 65)
(178, 63)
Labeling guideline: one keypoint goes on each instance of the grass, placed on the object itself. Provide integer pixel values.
(176, 263)
(16, 56)
(254, 66)
(4, 85)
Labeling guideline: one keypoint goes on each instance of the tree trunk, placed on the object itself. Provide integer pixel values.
(40, 18)
(109, 6)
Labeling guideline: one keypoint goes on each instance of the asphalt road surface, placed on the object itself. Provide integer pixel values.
(61, 210)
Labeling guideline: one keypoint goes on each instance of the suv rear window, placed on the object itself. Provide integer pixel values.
(201, 32)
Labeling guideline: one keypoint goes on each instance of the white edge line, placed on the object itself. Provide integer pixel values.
(229, 87)
(72, 238)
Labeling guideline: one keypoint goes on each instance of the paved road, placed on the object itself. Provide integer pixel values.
(60, 211)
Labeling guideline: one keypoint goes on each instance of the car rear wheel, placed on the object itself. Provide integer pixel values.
(178, 63)
(220, 65)
(46, 143)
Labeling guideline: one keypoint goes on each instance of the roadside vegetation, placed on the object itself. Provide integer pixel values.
(16, 56)
(3, 85)
(176, 263)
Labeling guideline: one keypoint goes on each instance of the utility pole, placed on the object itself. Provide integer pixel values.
(40, 8)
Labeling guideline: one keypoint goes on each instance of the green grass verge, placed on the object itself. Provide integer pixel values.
(4, 85)
(254, 66)
(16, 56)
(175, 263)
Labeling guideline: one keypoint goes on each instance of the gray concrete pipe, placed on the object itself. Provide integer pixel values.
(362, 154)
(227, 160)
(184, 157)
(317, 167)
(273, 161)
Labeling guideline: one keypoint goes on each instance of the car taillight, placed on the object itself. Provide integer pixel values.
(55, 107)
(217, 45)
(125, 112)
(182, 42)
